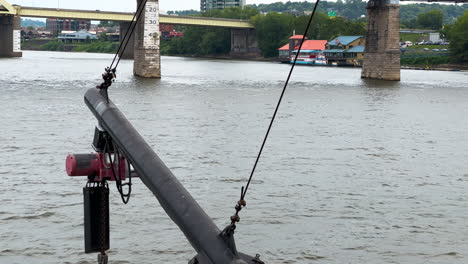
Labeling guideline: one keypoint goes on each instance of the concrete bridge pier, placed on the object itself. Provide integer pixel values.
(382, 53)
(128, 53)
(147, 58)
(10, 36)
(244, 43)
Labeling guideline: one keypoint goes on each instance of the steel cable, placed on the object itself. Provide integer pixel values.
(241, 203)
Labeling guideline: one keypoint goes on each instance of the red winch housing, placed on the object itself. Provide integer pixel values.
(96, 166)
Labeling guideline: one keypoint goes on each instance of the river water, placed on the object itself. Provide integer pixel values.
(354, 171)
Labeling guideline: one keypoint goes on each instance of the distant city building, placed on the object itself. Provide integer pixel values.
(34, 34)
(56, 26)
(206, 5)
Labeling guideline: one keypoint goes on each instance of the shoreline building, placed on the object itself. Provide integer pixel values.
(346, 50)
(78, 36)
(310, 49)
(207, 5)
(56, 26)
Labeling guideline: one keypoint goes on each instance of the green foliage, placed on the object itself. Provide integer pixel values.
(351, 9)
(54, 45)
(421, 47)
(98, 47)
(413, 37)
(273, 30)
(445, 31)
(354, 9)
(190, 12)
(206, 41)
(199, 41)
(109, 24)
(232, 13)
(430, 20)
(408, 13)
(425, 61)
(458, 36)
(103, 36)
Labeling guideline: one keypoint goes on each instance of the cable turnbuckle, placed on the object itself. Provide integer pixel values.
(108, 76)
(236, 218)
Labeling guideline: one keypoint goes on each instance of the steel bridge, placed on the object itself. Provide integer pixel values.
(7, 9)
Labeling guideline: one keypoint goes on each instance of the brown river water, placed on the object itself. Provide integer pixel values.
(354, 171)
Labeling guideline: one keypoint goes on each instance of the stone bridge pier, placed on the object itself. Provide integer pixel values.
(10, 36)
(382, 53)
(128, 53)
(147, 58)
(244, 43)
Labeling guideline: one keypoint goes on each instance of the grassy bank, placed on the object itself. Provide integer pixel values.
(98, 47)
(56, 45)
(425, 61)
(413, 37)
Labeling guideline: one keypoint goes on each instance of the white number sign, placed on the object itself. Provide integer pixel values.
(151, 39)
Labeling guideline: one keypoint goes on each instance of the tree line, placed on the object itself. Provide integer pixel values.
(457, 34)
(276, 22)
(355, 9)
(273, 30)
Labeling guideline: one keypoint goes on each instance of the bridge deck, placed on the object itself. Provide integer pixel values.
(120, 16)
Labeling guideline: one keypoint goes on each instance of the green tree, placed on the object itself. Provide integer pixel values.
(273, 30)
(458, 36)
(431, 20)
(207, 41)
(54, 45)
(103, 36)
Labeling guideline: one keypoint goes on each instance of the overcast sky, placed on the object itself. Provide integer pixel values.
(119, 5)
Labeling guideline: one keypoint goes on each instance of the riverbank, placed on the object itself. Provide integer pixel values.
(111, 47)
(56, 45)
(441, 67)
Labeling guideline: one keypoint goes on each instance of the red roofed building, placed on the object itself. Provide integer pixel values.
(286, 51)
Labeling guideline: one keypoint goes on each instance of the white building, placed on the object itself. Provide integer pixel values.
(82, 35)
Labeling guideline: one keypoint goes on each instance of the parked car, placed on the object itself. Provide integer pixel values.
(426, 49)
(435, 50)
(444, 50)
